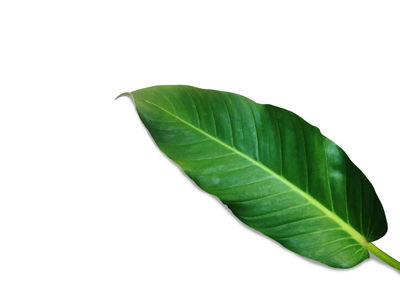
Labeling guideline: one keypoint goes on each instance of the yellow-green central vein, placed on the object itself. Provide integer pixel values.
(345, 226)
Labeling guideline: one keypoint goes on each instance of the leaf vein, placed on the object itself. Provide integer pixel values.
(311, 199)
(269, 213)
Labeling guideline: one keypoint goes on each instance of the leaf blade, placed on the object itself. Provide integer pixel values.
(243, 153)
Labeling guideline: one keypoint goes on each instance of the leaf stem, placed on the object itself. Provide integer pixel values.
(383, 256)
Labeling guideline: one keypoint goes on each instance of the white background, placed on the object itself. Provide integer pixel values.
(85, 195)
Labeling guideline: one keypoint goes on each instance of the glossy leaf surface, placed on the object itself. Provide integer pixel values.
(276, 172)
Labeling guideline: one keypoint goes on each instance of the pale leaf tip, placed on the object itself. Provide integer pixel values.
(123, 94)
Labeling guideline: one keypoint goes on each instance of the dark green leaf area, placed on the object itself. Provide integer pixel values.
(276, 172)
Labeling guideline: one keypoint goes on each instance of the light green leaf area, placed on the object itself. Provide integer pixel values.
(277, 173)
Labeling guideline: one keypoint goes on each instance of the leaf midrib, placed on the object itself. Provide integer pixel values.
(345, 226)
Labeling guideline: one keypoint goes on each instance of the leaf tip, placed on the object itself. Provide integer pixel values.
(123, 94)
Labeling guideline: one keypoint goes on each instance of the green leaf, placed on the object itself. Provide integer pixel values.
(276, 172)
